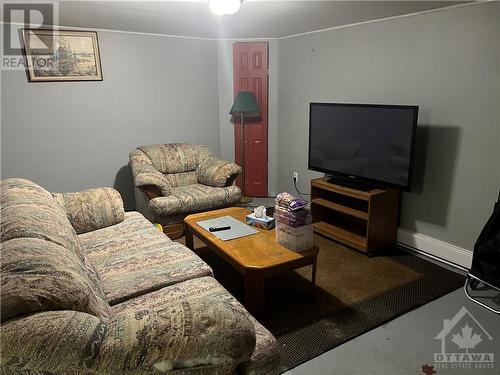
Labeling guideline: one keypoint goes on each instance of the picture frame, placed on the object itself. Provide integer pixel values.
(61, 55)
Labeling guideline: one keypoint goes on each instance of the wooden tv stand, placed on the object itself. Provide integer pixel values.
(364, 220)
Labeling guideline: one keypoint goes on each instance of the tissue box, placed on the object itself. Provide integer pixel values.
(260, 222)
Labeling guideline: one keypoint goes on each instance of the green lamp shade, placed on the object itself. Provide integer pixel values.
(245, 105)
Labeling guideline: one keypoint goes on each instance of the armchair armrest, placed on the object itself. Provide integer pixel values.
(92, 209)
(146, 177)
(216, 172)
(182, 335)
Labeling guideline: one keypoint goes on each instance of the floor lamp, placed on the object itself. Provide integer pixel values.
(245, 106)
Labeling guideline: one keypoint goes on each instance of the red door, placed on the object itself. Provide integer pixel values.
(250, 63)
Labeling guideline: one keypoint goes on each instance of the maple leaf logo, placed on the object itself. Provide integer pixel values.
(428, 370)
(466, 340)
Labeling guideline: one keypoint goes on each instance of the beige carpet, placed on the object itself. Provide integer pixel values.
(344, 277)
(354, 294)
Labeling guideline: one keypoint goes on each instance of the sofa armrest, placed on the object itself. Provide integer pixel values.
(184, 334)
(181, 335)
(92, 209)
(54, 342)
(146, 177)
(216, 172)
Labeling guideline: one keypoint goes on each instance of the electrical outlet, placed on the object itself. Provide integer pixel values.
(296, 176)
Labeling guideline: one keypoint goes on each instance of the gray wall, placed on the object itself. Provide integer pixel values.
(446, 62)
(71, 136)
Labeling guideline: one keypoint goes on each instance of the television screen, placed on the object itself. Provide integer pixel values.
(366, 141)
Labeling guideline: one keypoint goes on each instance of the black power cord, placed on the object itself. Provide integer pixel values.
(297, 189)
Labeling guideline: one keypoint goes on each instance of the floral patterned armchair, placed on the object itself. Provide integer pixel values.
(177, 179)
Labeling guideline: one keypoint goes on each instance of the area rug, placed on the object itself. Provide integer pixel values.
(354, 294)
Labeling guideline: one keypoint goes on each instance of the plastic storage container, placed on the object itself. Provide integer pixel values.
(295, 239)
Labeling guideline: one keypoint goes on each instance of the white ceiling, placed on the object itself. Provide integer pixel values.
(256, 19)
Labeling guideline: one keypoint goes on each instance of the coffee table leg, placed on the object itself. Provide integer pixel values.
(189, 237)
(313, 276)
(254, 292)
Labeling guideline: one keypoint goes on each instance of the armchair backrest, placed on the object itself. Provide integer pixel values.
(175, 157)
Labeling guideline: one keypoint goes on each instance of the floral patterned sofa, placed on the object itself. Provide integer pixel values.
(90, 289)
(177, 179)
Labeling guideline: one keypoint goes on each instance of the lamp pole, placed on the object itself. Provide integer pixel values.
(242, 156)
(245, 105)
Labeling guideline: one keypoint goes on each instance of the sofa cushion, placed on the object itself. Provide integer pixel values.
(194, 198)
(39, 275)
(133, 258)
(266, 356)
(175, 157)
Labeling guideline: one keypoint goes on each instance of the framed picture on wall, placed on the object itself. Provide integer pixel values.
(62, 55)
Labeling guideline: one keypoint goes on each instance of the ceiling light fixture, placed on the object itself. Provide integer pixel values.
(221, 7)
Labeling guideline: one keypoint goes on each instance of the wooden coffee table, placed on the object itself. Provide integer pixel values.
(257, 256)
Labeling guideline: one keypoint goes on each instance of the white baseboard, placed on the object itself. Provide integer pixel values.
(435, 248)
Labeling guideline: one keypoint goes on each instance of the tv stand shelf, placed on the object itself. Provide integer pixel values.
(340, 208)
(364, 220)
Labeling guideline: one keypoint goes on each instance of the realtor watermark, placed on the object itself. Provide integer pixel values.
(18, 16)
(465, 344)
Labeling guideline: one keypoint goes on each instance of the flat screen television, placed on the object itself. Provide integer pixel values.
(366, 144)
